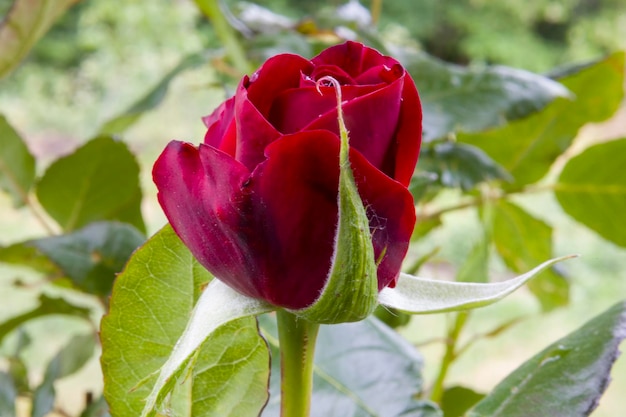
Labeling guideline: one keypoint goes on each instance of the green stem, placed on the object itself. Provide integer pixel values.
(226, 34)
(449, 356)
(375, 10)
(297, 349)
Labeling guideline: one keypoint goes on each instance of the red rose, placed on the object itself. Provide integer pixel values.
(257, 202)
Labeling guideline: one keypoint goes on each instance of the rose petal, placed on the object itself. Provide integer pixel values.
(253, 131)
(296, 108)
(408, 135)
(334, 71)
(200, 191)
(277, 74)
(372, 121)
(253, 102)
(391, 211)
(221, 127)
(353, 58)
(297, 189)
(381, 73)
(297, 186)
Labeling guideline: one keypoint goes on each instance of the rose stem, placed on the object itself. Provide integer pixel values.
(449, 356)
(297, 349)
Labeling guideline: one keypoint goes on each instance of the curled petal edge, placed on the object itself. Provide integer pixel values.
(415, 295)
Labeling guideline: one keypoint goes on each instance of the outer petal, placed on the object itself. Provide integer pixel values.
(297, 189)
(408, 134)
(391, 212)
(203, 196)
(297, 186)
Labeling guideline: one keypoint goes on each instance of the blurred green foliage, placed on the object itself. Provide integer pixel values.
(493, 135)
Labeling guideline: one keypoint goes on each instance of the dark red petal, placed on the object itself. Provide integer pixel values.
(371, 121)
(297, 188)
(277, 74)
(296, 108)
(253, 131)
(353, 57)
(200, 192)
(391, 212)
(381, 73)
(331, 71)
(408, 133)
(221, 127)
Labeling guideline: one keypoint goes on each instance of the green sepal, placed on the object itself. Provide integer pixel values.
(351, 289)
(417, 295)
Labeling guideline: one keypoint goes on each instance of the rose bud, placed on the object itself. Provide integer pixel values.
(257, 202)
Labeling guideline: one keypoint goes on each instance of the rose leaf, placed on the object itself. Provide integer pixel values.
(567, 378)
(162, 353)
(417, 295)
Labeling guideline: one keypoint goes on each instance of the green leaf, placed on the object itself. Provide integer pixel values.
(362, 369)
(421, 182)
(592, 189)
(425, 225)
(152, 302)
(25, 254)
(17, 367)
(21, 28)
(98, 408)
(8, 395)
(523, 241)
(564, 380)
(473, 99)
(118, 124)
(99, 181)
(92, 256)
(351, 289)
(527, 148)
(392, 317)
(460, 165)
(17, 165)
(47, 306)
(218, 306)
(417, 295)
(475, 267)
(68, 360)
(457, 400)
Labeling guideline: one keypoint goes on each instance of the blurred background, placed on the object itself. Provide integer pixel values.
(102, 56)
